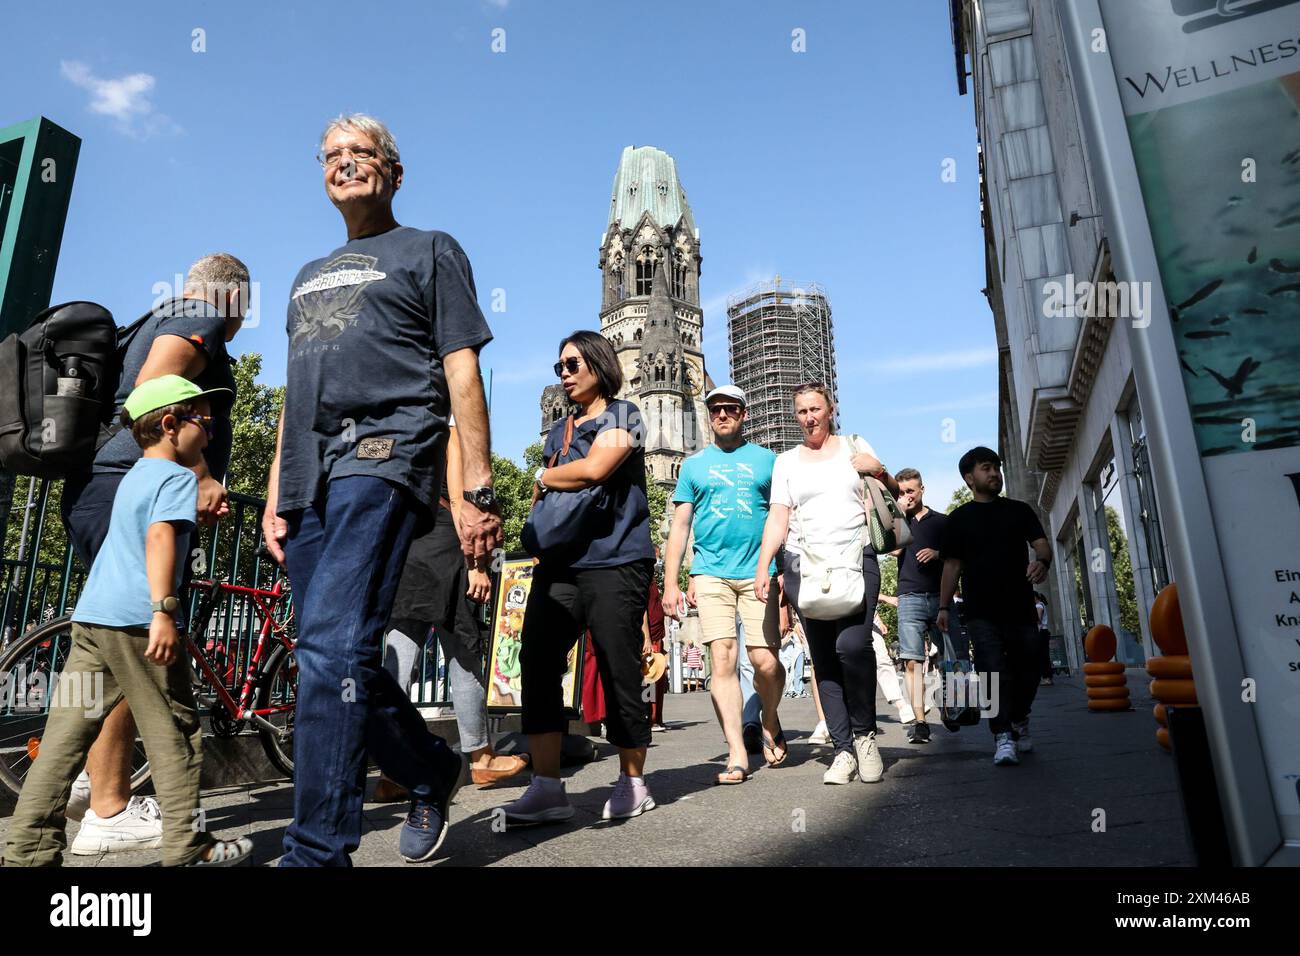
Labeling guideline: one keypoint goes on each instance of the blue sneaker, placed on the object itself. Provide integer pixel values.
(426, 824)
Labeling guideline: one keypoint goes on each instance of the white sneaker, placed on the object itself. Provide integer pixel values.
(871, 769)
(79, 800)
(630, 798)
(1024, 743)
(842, 770)
(1005, 755)
(138, 827)
(820, 736)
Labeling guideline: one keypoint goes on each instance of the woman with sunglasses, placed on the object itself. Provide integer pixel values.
(817, 505)
(598, 586)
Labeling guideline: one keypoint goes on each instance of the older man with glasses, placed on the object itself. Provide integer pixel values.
(722, 496)
(384, 334)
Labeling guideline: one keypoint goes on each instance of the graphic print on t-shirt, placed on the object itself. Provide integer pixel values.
(330, 301)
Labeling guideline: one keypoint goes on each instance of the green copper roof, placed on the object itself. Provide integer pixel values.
(647, 181)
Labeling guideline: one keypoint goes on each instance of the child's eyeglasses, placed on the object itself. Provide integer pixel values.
(204, 420)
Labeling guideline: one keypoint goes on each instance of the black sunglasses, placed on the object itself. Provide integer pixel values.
(571, 364)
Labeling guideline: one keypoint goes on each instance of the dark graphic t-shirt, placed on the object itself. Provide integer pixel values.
(203, 326)
(913, 576)
(991, 539)
(369, 326)
(626, 538)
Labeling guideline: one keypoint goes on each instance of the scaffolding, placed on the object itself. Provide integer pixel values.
(779, 336)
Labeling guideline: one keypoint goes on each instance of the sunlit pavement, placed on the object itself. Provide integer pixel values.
(940, 804)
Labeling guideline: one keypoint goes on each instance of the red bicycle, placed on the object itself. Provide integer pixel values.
(266, 698)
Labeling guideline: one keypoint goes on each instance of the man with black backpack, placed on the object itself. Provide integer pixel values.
(185, 336)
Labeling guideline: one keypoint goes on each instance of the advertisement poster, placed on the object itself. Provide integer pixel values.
(505, 682)
(1211, 97)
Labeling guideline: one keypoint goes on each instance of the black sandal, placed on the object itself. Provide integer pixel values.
(744, 775)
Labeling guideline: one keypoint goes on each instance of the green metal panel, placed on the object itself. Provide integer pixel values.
(38, 161)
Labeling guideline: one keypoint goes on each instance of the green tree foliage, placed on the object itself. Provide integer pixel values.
(889, 585)
(1122, 566)
(960, 497)
(253, 421)
(514, 488)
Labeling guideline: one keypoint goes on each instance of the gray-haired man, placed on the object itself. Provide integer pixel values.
(384, 334)
(184, 335)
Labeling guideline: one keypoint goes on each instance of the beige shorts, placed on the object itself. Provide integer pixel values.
(719, 601)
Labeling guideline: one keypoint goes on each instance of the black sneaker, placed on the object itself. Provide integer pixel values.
(913, 736)
(753, 737)
(922, 732)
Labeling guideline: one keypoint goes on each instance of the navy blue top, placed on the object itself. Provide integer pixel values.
(366, 394)
(627, 538)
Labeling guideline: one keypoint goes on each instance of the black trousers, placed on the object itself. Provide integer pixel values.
(563, 604)
(1012, 652)
(1045, 640)
(843, 658)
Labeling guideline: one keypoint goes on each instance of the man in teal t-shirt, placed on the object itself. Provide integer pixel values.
(721, 496)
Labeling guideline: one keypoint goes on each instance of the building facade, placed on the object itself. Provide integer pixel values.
(1070, 426)
(650, 310)
(779, 338)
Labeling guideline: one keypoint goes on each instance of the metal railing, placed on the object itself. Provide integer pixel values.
(41, 578)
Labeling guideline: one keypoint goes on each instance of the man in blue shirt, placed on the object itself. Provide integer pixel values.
(722, 496)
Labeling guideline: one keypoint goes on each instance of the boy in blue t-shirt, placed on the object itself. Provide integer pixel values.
(125, 642)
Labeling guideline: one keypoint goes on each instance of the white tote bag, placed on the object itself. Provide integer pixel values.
(831, 586)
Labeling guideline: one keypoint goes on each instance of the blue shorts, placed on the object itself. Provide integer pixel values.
(916, 619)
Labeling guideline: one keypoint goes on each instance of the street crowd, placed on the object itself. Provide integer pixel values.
(381, 506)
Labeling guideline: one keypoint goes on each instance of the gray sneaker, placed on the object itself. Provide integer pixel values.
(871, 769)
(539, 805)
(842, 769)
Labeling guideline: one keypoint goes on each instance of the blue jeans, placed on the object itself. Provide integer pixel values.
(752, 713)
(792, 659)
(344, 555)
(917, 614)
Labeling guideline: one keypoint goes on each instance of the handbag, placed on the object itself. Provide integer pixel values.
(831, 586)
(886, 523)
(562, 523)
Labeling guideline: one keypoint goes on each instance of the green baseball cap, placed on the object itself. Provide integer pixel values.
(166, 390)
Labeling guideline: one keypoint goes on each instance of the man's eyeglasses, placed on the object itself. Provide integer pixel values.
(720, 409)
(360, 154)
(570, 364)
(204, 420)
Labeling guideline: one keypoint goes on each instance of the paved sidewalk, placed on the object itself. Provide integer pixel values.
(941, 804)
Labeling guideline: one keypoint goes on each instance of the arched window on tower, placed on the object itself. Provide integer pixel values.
(645, 271)
(679, 279)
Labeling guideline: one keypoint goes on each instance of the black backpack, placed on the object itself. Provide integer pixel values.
(58, 380)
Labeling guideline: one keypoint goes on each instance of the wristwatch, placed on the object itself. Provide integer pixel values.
(167, 605)
(537, 477)
(482, 497)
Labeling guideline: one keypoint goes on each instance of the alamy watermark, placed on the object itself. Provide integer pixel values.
(1116, 300)
(24, 692)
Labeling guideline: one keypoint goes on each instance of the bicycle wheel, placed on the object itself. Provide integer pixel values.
(278, 687)
(27, 686)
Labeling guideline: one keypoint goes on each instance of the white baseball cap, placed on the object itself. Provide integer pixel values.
(727, 391)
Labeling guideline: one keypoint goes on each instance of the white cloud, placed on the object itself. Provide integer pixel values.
(933, 361)
(124, 99)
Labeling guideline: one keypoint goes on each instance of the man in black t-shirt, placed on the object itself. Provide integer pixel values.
(985, 544)
(920, 568)
(384, 335)
(184, 335)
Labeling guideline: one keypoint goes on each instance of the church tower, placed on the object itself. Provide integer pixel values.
(650, 309)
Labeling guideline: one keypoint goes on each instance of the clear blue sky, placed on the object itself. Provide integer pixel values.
(823, 165)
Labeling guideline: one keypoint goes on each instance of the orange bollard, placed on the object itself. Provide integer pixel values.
(1172, 674)
(1104, 678)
